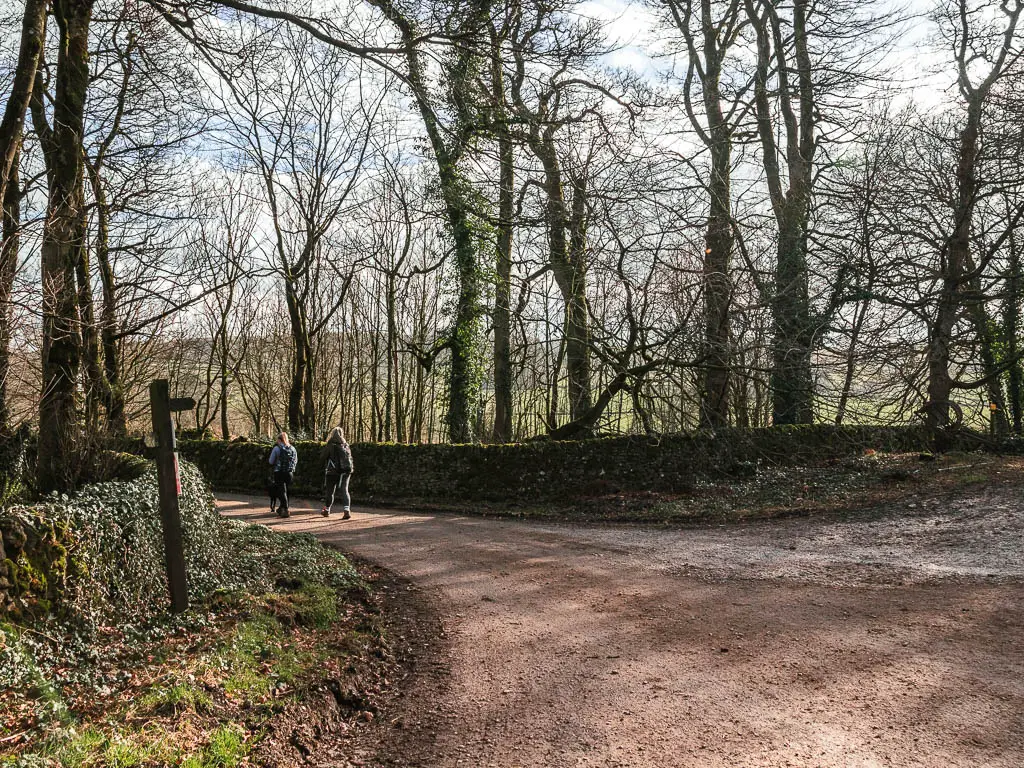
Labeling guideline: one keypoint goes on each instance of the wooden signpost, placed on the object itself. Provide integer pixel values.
(169, 484)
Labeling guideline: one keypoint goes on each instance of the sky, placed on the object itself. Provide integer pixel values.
(923, 71)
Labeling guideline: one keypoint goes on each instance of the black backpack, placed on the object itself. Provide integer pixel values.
(339, 460)
(285, 459)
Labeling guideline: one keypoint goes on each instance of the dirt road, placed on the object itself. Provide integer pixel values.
(892, 638)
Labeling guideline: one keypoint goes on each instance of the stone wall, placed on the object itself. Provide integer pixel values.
(548, 470)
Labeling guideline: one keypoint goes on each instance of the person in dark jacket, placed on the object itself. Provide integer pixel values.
(337, 458)
(284, 458)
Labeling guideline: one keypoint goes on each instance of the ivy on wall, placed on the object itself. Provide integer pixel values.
(99, 553)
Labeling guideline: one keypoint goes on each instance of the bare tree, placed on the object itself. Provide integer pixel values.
(11, 125)
(712, 32)
(289, 127)
(984, 56)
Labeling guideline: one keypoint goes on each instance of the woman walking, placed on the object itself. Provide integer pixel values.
(337, 458)
(284, 458)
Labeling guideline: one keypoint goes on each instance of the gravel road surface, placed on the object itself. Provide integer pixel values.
(886, 638)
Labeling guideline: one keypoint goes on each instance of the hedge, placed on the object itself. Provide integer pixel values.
(547, 470)
(99, 553)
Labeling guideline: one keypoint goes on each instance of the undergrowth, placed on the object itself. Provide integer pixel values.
(199, 690)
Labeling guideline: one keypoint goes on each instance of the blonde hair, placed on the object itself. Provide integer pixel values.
(336, 435)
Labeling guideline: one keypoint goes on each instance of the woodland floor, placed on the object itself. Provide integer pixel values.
(888, 636)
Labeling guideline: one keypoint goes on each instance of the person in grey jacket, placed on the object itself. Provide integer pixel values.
(283, 458)
(337, 459)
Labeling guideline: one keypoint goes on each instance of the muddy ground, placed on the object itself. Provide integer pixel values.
(886, 637)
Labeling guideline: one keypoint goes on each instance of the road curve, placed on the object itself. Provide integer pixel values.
(863, 642)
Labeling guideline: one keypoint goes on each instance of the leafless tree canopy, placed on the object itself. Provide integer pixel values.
(491, 220)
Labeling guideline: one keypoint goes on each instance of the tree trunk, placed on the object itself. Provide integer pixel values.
(940, 383)
(792, 388)
(63, 249)
(391, 361)
(791, 380)
(33, 35)
(466, 374)
(989, 366)
(300, 390)
(395, 374)
(225, 432)
(575, 430)
(1011, 323)
(860, 315)
(707, 59)
(308, 401)
(741, 398)
(104, 354)
(553, 383)
(987, 351)
(577, 313)
(9, 247)
(503, 267)
(465, 340)
(567, 256)
(94, 383)
(714, 411)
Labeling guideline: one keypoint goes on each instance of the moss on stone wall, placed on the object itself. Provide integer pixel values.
(547, 470)
(35, 565)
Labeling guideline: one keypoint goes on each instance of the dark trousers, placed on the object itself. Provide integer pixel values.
(281, 480)
(333, 484)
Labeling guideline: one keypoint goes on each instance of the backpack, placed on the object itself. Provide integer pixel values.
(339, 460)
(285, 459)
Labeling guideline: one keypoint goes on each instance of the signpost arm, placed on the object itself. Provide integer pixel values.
(167, 477)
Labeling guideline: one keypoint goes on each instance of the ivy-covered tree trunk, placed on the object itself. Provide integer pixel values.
(990, 366)
(63, 249)
(467, 335)
(503, 298)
